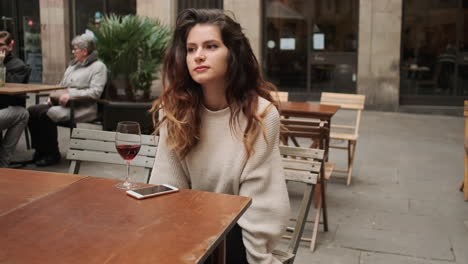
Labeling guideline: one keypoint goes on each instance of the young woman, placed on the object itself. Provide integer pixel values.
(219, 128)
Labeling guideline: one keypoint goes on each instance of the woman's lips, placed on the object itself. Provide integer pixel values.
(201, 68)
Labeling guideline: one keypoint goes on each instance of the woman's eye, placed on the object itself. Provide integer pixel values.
(212, 46)
(190, 49)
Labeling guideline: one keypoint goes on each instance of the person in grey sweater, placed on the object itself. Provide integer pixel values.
(219, 129)
(13, 115)
(85, 77)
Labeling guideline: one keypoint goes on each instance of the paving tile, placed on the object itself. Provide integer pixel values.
(408, 223)
(457, 232)
(378, 258)
(328, 256)
(450, 209)
(430, 246)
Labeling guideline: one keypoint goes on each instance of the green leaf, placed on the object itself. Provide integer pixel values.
(132, 46)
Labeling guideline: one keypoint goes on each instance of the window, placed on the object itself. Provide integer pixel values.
(21, 19)
(310, 46)
(434, 45)
(85, 12)
(183, 4)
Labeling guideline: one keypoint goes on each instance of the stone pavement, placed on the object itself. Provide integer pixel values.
(403, 205)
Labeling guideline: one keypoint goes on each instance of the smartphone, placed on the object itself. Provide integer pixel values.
(151, 191)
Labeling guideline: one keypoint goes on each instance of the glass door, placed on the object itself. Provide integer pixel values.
(462, 58)
(21, 19)
(90, 12)
(434, 61)
(310, 46)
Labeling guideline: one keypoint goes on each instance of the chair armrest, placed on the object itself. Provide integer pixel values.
(73, 102)
(78, 100)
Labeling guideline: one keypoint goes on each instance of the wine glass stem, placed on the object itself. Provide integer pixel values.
(128, 170)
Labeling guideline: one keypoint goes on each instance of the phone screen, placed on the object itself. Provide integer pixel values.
(152, 189)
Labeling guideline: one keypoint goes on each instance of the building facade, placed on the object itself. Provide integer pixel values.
(396, 52)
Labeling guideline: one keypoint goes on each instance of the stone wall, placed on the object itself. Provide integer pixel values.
(249, 14)
(379, 53)
(164, 10)
(55, 39)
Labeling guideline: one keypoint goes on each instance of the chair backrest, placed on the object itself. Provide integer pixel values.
(99, 146)
(315, 130)
(302, 165)
(349, 102)
(280, 96)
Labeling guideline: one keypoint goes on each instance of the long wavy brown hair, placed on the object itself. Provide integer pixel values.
(182, 97)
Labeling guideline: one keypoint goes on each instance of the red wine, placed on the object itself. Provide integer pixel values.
(128, 152)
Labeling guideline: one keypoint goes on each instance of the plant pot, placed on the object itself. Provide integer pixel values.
(114, 112)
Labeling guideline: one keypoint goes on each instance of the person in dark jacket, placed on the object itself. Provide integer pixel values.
(13, 116)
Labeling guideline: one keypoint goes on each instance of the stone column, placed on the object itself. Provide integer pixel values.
(249, 14)
(55, 39)
(164, 10)
(379, 53)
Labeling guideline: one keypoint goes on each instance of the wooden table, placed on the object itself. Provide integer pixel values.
(63, 218)
(310, 110)
(22, 88)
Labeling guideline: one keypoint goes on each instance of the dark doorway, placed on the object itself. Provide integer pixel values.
(434, 52)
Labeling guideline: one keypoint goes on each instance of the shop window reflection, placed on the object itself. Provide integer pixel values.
(90, 12)
(325, 43)
(432, 62)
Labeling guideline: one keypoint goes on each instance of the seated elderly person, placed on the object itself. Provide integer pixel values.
(84, 77)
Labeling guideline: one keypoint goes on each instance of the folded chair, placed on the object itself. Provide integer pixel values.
(99, 146)
(348, 133)
(303, 165)
(317, 132)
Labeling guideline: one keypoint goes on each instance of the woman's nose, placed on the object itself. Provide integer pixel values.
(200, 56)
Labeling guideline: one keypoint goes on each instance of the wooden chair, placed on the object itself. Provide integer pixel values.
(353, 102)
(99, 146)
(280, 96)
(303, 165)
(317, 132)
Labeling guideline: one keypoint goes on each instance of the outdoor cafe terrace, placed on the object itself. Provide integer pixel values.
(403, 204)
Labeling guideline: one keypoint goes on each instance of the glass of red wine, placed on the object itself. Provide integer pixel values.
(127, 143)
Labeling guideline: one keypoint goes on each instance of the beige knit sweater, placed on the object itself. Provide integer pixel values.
(217, 164)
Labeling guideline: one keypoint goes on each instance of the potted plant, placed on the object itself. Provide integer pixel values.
(133, 48)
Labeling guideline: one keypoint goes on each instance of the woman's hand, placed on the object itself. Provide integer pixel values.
(63, 100)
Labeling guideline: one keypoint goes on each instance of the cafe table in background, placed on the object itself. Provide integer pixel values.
(24, 88)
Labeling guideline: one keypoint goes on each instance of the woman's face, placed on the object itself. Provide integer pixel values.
(80, 54)
(207, 56)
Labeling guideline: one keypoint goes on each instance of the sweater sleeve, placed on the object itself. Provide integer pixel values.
(167, 168)
(263, 180)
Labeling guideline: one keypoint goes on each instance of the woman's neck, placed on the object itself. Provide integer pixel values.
(214, 97)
